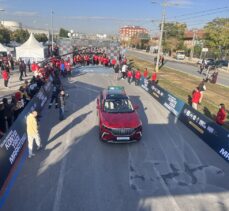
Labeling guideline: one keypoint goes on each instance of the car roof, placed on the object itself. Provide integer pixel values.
(115, 94)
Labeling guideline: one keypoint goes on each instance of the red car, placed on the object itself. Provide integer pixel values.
(119, 121)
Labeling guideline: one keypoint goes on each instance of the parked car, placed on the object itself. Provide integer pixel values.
(180, 55)
(221, 63)
(119, 121)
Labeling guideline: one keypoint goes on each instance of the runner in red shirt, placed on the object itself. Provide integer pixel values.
(221, 115)
(196, 98)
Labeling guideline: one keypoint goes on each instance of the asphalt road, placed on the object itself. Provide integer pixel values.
(223, 77)
(170, 169)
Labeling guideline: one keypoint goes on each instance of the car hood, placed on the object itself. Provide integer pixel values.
(120, 120)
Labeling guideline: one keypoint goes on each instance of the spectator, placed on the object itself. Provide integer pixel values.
(61, 103)
(129, 76)
(116, 69)
(196, 98)
(2, 120)
(154, 77)
(202, 88)
(124, 70)
(113, 62)
(21, 69)
(221, 115)
(28, 64)
(8, 112)
(146, 73)
(32, 132)
(5, 76)
(137, 77)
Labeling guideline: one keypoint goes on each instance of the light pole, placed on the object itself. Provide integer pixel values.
(52, 27)
(161, 36)
(164, 4)
(2, 10)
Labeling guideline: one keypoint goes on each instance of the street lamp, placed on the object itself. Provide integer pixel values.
(52, 27)
(164, 4)
(2, 10)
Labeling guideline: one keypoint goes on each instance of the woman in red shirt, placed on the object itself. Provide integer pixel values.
(146, 73)
(196, 98)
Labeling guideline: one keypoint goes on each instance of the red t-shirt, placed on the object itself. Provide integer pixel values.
(145, 74)
(196, 96)
(5, 75)
(154, 76)
(221, 116)
(138, 75)
(129, 74)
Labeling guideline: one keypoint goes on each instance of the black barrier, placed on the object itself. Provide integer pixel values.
(168, 100)
(211, 133)
(13, 142)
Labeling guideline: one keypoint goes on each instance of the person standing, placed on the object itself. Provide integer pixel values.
(146, 73)
(221, 115)
(28, 64)
(196, 95)
(129, 76)
(154, 77)
(5, 76)
(32, 132)
(21, 69)
(137, 77)
(61, 103)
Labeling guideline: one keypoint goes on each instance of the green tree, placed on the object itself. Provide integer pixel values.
(4, 35)
(63, 32)
(19, 35)
(41, 37)
(173, 38)
(217, 35)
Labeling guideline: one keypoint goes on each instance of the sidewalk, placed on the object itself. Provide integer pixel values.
(14, 84)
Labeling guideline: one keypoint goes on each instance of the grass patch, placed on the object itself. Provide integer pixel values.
(181, 85)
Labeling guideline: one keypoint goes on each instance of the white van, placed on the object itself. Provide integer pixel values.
(180, 55)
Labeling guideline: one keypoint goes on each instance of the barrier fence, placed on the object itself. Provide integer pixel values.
(210, 132)
(13, 143)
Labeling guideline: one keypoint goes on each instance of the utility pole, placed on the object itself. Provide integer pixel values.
(193, 44)
(161, 35)
(52, 27)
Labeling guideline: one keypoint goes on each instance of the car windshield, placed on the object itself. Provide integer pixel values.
(120, 105)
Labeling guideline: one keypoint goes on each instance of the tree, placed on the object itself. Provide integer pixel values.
(4, 35)
(41, 37)
(217, 35)
(173, 38)
(63, 32)
(140, 40)
(19, 35)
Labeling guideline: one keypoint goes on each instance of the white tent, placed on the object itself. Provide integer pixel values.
(32, 50)
(5, 49)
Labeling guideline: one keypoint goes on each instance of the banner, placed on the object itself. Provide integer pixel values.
(211, 133)
(168, 100)
(13, 142)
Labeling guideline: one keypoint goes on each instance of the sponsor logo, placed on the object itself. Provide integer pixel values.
(225, 153)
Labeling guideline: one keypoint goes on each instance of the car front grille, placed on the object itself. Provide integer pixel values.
(122, 131)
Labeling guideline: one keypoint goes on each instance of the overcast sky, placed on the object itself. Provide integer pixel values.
(107, 16)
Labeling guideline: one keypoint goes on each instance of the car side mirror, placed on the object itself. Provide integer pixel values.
(135, 107)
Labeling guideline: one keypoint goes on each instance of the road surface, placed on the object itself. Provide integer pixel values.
(170, 169)
(223, 77)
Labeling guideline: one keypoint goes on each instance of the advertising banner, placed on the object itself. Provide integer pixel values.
(13, 142)
(211, 133)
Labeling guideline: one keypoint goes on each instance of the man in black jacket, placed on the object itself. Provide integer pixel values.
(61, 103)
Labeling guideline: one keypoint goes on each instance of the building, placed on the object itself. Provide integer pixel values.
(13, 25)
(188, 37)
(126, 32)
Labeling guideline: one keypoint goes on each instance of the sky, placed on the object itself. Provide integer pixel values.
(107, 16)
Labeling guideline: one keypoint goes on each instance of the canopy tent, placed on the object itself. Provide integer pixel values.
(31, 50)
(5, 49)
